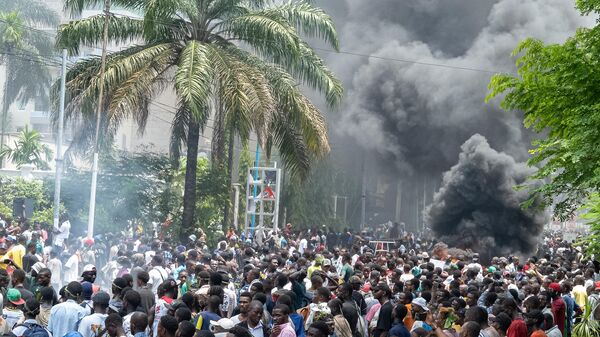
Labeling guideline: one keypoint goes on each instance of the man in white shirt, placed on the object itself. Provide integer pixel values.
(62, 233)
(302, 246)
(158, 274)
(91, 325)
(56, 268)
(71, 267)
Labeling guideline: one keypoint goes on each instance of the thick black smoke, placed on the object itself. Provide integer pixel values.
(478, 206)
(414, 117)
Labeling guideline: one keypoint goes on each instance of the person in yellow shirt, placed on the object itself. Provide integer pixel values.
(579, 292)
(17, 252)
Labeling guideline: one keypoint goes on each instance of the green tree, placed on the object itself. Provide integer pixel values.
(28, 149)
(23, 51)
(233, 59)
(557, 89)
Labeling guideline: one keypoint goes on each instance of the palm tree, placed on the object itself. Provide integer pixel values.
(23, 52)
(28, 149)
(240, 61)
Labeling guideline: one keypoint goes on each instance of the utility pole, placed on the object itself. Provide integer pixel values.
(59, 139)
(363, 205)
(99, 109)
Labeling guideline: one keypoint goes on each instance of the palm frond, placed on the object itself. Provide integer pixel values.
(291, 146)
(89, 32)
(32, 11)
(132, 96)
(311, 20)
(194, 78)
(76, 7)
(179, 131)
(158, 13)
(270, 36)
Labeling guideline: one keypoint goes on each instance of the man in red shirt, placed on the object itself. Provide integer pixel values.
(559, 308)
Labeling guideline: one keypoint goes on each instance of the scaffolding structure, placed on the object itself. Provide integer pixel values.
(263, 190)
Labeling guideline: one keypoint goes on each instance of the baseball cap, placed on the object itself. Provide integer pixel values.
(89, 268)
(327, 262)
(87, 290)
(38, 266)
(14, 297)
(224, 323)
(420, 301)
(101, 298)
(597, 285)
(554, 286)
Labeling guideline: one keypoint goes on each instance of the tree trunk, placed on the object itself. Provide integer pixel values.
(189, 190)
(230, 176)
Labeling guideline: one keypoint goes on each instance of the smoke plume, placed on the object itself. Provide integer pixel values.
(478, 207)
(414, 117)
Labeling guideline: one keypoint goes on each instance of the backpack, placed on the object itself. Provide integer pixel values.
(35, 330)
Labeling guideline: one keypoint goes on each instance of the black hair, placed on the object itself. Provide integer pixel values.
(186, 329)
(321, 327)
(132, 298)
(183, 314)
(239, 331)
(260, 297)
(284, 308)
(143, 276)
(169, 323)
(477, 314)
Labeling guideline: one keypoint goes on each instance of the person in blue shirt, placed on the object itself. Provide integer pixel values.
(210, 314)
(398, 328)
(65, 316)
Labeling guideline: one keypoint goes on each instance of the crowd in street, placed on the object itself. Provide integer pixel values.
(287, 284)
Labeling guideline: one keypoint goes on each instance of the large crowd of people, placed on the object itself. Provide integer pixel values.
(286, 284)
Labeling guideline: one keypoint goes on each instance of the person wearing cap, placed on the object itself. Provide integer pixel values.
(65, 316)
(91, 325)
(559, 308)
(419, 312)
(31, 309)
(12, 312)
(86, 295)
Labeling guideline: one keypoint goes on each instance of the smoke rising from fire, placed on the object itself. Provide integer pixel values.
(414, 117)
(478, 206)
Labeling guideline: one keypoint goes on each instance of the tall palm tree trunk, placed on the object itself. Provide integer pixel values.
(189, 190)
(230, 176)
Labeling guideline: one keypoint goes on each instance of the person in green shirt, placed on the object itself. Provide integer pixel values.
(347, 270)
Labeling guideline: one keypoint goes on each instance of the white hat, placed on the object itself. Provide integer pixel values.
(420, 301)
(224, 323)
